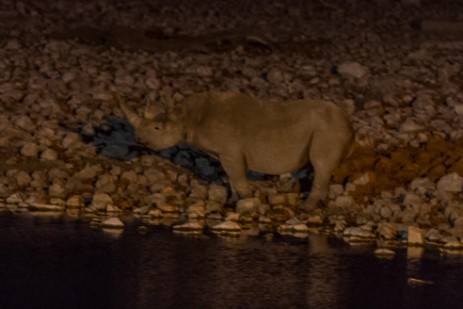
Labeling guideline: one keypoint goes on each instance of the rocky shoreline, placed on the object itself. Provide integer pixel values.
(65, 148)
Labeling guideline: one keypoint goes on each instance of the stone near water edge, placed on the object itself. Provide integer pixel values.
(386, 231)
(415, 236)
(101, 200)
(248, 205)
(189, 227)
(196, 210)
(384, 253)
(112, 223)
(227, 228)
(75, 201)
(450, 183)
(16, 198)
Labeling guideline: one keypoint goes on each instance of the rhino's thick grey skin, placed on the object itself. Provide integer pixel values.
(245, 134)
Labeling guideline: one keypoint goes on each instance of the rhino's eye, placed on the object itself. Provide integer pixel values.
(157, 128)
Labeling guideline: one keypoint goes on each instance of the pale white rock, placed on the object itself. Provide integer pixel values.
(167, 207)
(422, 185)
(450, 183)
(335, 190)
(362, 180)
(412, 199)
(248, 205)
(155, 213)
(49, 154)
(190, 226)
(410, 125)
(275, 76)
(459, 109)
(453, 246)
(16, 198)
(23, 178)
(227, 226)
(344, 201)
(57, 190)
(277, 199)
(75, 201)
(353, 69)
(384, 253)
(101, 200)
(71, 140)
(112, 223)
(415, 236)
(30, 150)
(204, 71)
(386, 231)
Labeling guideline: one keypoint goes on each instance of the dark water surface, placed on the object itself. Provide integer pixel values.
(62, 263)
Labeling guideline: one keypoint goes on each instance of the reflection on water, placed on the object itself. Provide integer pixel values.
(62, 263)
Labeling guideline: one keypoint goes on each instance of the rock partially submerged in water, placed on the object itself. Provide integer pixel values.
(112, 223)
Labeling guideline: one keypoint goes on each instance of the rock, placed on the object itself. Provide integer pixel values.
(422, 185)
(30, 150)
(227, 228)
(335, 190)
(57, 190)
(23, 179)
(12, 44)
(112, 223)
(168, 207)
(353, 69)
(415, 236)
(411, 199)
(204, 71)
(344, 201)
(275, 76)
(384, 253)
(386, 231)
(89, 172)
(75, 201)
(248, 205)
(16, 198)
(277, 199)
(407, 216)
(101, 200)
(450, 183)
(196, 210)
(190, 227)
(49, 154)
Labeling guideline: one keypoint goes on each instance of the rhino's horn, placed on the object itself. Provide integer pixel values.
(133, 118)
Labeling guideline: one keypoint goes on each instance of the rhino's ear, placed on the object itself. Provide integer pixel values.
(133, 118)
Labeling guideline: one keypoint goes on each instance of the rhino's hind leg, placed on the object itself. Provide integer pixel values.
(325, 154)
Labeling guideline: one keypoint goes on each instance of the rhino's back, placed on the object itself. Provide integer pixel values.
(274, 137)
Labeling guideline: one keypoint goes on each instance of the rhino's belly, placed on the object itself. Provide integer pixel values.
(276, 162)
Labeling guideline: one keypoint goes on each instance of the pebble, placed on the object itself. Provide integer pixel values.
(248, 205)
(49, 154)
(112, 223)
(384, 253)
(450, 183)
(415, 236)
(353, 69)
(101, 200)
(75, 201)
(30, 150)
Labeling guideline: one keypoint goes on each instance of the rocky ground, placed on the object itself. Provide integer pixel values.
(394, 66)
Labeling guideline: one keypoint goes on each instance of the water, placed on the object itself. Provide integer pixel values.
(62, 263)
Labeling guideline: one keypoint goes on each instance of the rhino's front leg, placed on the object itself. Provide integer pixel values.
(235, 167)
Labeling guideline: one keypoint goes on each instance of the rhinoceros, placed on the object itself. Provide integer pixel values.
(247, 134)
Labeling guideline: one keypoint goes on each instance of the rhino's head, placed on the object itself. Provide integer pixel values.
(159, 128)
